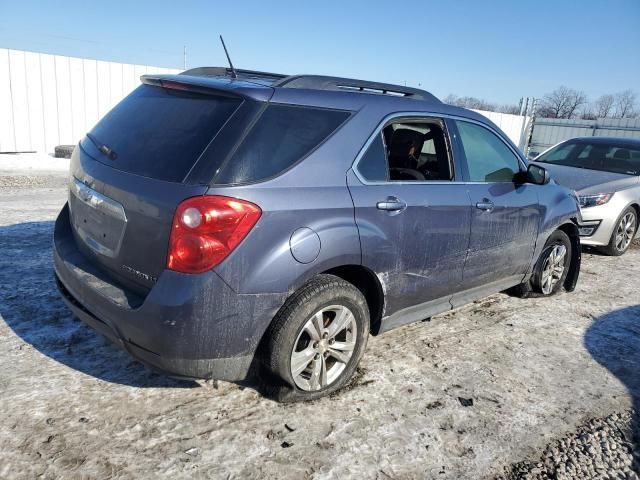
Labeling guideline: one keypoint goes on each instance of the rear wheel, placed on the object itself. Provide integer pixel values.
(623, 233)
(317, 339)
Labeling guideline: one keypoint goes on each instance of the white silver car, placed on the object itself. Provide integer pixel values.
(605, 173)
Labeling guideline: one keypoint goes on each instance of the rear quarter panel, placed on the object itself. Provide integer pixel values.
(264, 263)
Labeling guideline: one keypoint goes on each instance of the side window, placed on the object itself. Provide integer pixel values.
(408, 151)
(488, 158)
(282, 136)
(373, 164)
(417, 151)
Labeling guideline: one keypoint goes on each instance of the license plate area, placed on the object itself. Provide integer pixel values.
(97, 219)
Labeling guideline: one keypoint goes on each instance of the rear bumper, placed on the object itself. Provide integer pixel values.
(192, 326)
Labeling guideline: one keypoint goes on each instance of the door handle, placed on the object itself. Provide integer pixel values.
(391, 204)
(486, 205)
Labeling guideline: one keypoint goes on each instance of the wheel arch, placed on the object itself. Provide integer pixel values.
(359, 276)
(369, 285)
(636, 207)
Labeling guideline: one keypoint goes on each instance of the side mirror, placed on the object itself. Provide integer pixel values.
(537, 175)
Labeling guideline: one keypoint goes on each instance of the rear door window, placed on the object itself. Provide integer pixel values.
(406, 151)
(282, 136)
(160, 133)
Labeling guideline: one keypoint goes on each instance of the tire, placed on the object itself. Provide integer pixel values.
(556, 244)
(535, 286)
(294, 334)
(63, 151)
(630, 218)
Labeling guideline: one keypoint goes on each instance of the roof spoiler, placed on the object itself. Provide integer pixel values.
(210, 86)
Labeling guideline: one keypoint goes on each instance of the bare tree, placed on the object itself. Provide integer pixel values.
(510, 108)
(563, 102)
(625, 104)
(587, 114)
(603, 106)
(470, 102)
(451, 99)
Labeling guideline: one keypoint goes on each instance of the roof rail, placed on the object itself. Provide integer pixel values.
(320, 82)
(226, 72)
(314, 82)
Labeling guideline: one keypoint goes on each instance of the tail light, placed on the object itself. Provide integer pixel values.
(207, 229)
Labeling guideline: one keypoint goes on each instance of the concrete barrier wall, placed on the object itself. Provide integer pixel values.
(48, 100)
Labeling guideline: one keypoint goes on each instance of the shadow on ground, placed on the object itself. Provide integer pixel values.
(31, 306)
(613, 340)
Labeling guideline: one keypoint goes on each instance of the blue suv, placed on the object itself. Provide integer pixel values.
(223, 222)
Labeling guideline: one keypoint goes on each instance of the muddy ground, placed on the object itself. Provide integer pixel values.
(465, 395)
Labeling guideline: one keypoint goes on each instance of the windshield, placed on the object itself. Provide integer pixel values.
(606, 157)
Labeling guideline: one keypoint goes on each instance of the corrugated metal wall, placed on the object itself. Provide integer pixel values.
(549, 131)
(48, 100)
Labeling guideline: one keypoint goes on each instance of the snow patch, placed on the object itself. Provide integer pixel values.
(30, 163)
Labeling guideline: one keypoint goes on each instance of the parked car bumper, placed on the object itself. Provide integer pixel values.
(603, 219)
(192, 326)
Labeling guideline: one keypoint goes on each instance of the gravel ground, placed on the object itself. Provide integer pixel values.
(505, 387)
(600, 448)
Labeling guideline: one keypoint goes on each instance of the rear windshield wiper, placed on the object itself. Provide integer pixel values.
(104, 149)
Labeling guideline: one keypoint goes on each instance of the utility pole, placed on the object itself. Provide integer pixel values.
(534, 104)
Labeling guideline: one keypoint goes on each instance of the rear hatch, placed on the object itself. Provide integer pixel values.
(133, 169)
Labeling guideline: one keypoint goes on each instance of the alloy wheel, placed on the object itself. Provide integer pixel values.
(553, 268)
(323, 348)
(625, 231)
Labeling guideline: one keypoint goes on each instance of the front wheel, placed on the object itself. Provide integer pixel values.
(551, 268)
(623, 233)
(316, 340)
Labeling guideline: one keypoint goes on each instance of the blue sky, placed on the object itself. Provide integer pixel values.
(497, 50)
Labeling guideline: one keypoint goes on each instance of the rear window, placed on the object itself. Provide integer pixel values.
(160, 133)
(282, 136)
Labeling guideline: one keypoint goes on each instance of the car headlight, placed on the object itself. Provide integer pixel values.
(594, 200)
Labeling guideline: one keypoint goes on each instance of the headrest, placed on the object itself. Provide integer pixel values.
(434, 132)
(598, 152)
(402, 141)
(622, 154)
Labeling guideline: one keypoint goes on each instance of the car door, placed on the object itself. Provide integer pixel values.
(505, 215)
(414, 233)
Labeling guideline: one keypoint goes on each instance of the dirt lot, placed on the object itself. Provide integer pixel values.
(465, 395)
